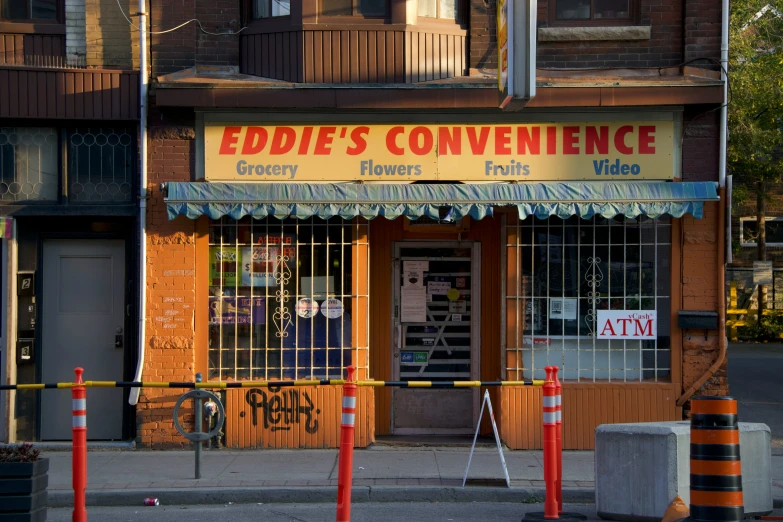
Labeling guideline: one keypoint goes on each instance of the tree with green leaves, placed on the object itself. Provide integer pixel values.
(755, 148)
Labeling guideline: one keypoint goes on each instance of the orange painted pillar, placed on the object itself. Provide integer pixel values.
(345, 464)
(79, 450)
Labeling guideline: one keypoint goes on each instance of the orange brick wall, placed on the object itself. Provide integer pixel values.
(700, 292)
(171, 260)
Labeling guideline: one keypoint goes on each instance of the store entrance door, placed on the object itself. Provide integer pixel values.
(436, 319)
(82, 321)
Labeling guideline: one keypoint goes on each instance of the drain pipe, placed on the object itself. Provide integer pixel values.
(143, 80)
(722, 205)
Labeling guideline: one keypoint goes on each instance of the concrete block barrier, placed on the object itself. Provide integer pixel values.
(641, 467)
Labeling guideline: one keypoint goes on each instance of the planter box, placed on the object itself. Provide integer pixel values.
(23, 496)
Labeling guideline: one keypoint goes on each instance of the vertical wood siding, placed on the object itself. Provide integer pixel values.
(74, 93)
(353, 56)
(14, 47)
(585, 406)
(286, 430)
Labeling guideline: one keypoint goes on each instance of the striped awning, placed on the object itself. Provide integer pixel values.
(6, 224)
(349, 200)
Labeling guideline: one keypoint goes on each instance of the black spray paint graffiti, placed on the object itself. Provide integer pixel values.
(282, 407)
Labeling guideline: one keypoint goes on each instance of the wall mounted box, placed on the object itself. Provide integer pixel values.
(697, 320)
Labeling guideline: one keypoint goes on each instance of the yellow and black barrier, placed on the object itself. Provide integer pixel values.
(268, 384)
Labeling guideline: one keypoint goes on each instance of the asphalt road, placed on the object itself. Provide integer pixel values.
(364, 512)
(756, 381)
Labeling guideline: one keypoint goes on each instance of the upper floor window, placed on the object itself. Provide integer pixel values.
(28, 10)
(444, 9)
(269, 8)
(592, 12)
(749, 231)
(353, 8)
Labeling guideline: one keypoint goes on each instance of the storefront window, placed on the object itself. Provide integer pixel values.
(287, 299)
(562, 272)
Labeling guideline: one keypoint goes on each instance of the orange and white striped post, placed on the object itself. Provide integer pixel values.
(79, 450)
(559, 439)
(550, 445)
(345, 465)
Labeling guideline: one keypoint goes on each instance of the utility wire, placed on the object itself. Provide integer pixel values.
(179, 26)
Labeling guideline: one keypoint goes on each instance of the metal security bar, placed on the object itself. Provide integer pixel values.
(29, 168)
(561, 272)
(288, 298)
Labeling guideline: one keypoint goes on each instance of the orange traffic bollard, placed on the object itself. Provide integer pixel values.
(559, 438)
(79, 450)
(716, 469)
(345, 466)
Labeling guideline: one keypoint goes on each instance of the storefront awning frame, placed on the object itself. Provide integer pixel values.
(349, 200)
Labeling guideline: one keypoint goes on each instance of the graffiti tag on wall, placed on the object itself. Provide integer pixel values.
(281, 409)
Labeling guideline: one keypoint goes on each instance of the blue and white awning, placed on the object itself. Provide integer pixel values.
(349, 200)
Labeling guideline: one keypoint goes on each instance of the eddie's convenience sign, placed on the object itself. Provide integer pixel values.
(457, 152)
(627, 324)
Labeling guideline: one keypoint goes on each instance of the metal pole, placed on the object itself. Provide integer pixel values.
(198, 429)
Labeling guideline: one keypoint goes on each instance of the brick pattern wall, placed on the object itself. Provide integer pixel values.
(702, 26)
(75, 32)
(700, 292)
(189, 46)
(170, 354)
(111, 41)
(668, 45)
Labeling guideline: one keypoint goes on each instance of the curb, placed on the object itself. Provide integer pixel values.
(309, 494)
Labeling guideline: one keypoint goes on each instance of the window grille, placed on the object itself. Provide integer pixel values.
(100, 165)
(561, 272)
(28, 164)
(287, 298)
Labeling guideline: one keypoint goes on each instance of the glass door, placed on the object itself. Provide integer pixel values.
(436, 326)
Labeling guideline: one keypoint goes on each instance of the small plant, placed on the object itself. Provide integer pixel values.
(21, 453)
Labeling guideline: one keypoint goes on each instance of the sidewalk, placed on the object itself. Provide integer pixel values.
(380, 474)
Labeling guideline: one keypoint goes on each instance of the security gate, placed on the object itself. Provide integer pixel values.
(436, 320)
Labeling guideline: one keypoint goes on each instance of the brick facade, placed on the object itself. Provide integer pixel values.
(681, 31)
(170, 288)
(189, 46)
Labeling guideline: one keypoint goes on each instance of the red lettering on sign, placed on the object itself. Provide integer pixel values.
(608, 326)
(619, 140)
(570, 140)
(324, 141)
(625, 324)
(359, 143)
(230, 139)
(255, 140)
(526, 141)
(283, 140)
(477, 143)
(425, 146)
(646, 139)
(450, 143)
(307, 133)
(502, 140)
(391, 141)
(646, 330)
(597, 139)
(551, 140)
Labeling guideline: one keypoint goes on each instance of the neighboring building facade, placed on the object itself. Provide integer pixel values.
(69, 110)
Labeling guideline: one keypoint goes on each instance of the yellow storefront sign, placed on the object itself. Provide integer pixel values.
(456, 152)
